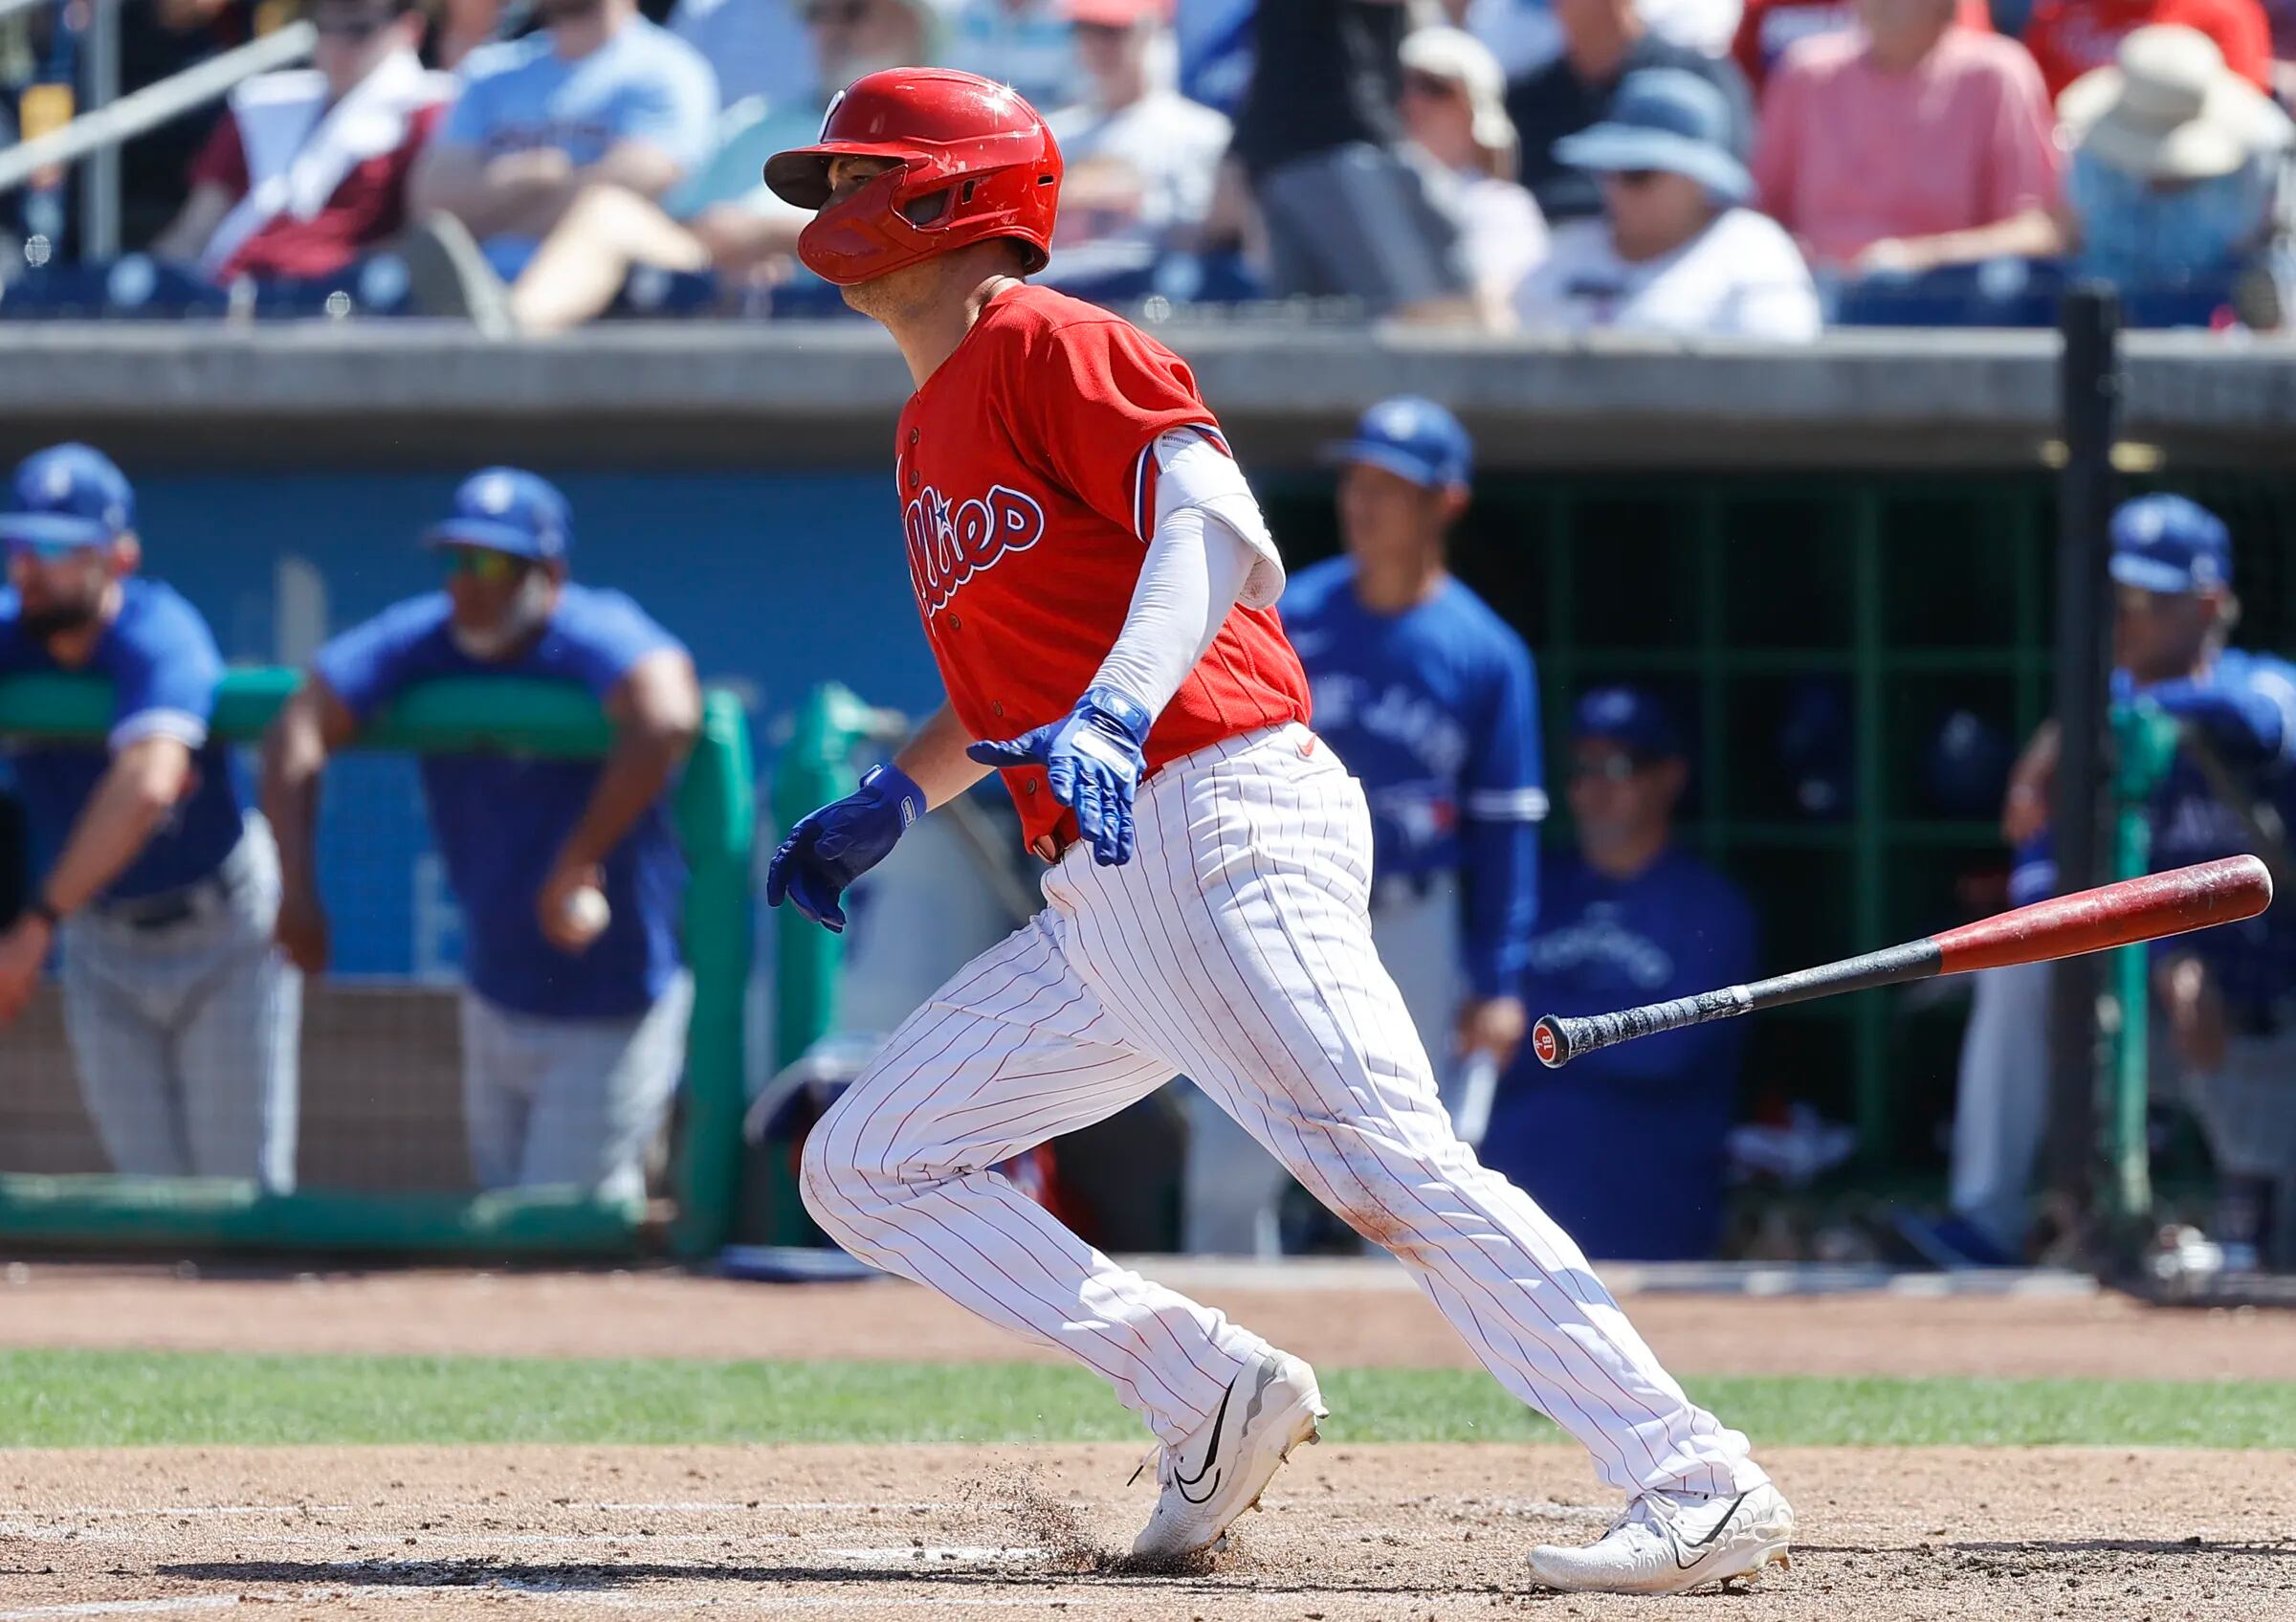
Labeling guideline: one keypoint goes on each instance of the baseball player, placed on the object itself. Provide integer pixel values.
(1097, 587)
(1627, 918)
(161, 885)
(2227, 995)
(1430, 699)
(574, 1019)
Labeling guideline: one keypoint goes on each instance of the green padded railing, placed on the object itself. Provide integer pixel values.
(715, 814)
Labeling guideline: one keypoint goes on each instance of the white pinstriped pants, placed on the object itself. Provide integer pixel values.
(1234, 946)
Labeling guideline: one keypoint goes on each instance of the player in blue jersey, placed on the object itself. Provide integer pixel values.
(574, 1020)
(159, 884)
(2226, 996)
(1432, 700)
(1628, 917)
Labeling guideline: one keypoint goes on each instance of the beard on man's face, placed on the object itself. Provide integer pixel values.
(568, 11)
(54, 619)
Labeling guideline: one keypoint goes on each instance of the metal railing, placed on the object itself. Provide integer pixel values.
(112, 119)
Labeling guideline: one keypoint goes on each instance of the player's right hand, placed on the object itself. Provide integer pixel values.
(1092, 764)
(830, 848)
(301, 931)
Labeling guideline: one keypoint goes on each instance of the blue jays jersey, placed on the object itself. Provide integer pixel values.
(1436, 711)
(2244, 708)
(164, 667)
(499, 820)
(1656, 1109)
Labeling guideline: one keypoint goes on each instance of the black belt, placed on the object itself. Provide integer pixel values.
(169, 909)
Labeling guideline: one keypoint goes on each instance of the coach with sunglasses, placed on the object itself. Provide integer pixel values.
(574, 1016)
(1626, 1145)
(1676, 252)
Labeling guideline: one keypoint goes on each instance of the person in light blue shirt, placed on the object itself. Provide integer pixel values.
(1624, 1148)
(157, 883)
(1432, 700)
(574, 1022)
(598, 96)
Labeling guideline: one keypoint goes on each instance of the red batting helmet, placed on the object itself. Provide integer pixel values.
(974, 161)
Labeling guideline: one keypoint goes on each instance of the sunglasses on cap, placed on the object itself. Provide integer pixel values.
(1633, 179)
(1418, 83)
(476, 562)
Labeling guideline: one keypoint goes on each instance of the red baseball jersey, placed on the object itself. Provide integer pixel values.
(1026, 466)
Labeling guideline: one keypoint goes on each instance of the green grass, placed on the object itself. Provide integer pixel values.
(117, 1399)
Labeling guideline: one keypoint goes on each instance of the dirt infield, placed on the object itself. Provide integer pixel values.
(1359, 1316)
(1351, 1534)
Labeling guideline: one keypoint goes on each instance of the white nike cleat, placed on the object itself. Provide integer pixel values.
(1220, 1472)
(1671, 1543)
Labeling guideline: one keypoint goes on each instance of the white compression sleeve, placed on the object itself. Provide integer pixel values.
(1195, 566)
(1210, 549)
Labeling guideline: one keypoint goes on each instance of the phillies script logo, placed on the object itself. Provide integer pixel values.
(949, 544)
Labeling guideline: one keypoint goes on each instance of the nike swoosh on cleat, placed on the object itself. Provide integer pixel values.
(1674, 1537)
(1211, 1454)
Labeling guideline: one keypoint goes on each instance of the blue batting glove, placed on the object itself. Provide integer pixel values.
(832, 847)
(1092, 756)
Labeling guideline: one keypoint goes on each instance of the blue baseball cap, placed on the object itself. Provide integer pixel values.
(507, 509)
(1413, 438)
(67, 497)
(2170, 544)
(1628, 717)
(1664, 119)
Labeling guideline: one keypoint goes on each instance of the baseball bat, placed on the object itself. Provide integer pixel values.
(2091, 921)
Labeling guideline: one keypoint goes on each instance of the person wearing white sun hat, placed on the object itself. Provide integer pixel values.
(2179, 168)
(1454, 110)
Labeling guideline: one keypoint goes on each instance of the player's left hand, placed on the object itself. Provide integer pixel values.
(1493, 1025)
(1092, 756)
(23, 952)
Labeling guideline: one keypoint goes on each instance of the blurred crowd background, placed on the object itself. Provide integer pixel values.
(1730, 167)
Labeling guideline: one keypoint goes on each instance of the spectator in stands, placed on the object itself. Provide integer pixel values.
(308, 167)
(2071, 37)
(1455, 112)
(754, 47)
(1142, 162)
(1912, 145)
(573, 1025)
(1676, 252)
(1319, 138)
(2180, 171)
(161, 887)
(723, 218)
(1767, 26)
(1023, 43)
(1604, 41)
(1628, 917)
(598, 96)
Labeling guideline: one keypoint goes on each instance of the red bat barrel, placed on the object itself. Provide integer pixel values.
(2091, 921)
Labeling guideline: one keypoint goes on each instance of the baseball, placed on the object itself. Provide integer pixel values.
(586, 910)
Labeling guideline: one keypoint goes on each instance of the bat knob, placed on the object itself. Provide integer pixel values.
(1549, 1043)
